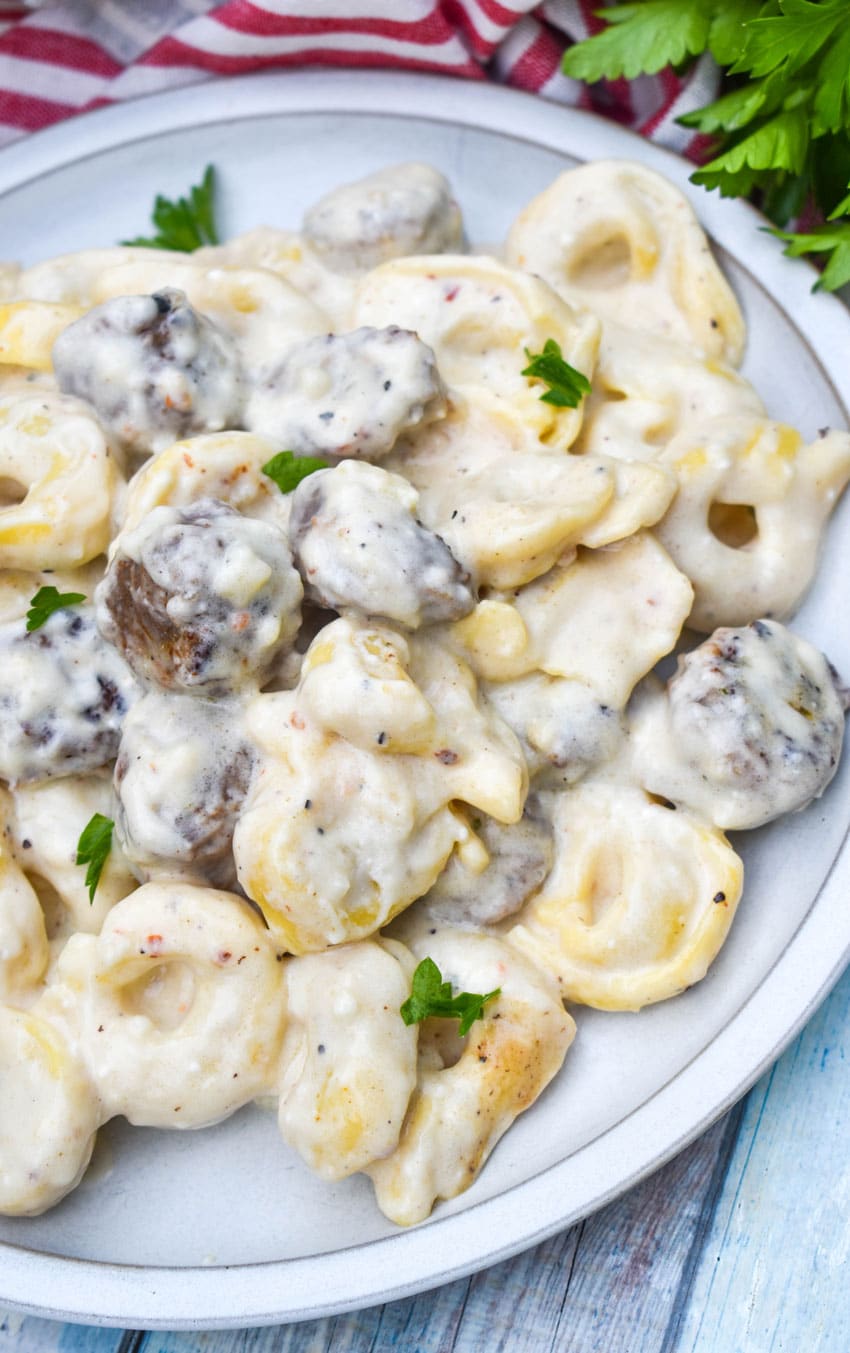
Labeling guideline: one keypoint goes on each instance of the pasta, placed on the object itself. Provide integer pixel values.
(334, 568)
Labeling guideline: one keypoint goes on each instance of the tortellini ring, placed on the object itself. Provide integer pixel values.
(604, 619)
(56, 483)
(351, 816)
(28, 330)
(349, 1060)
(480, 316)
(182, 1005)
(638, 903)
(470, 1090)
(747, 521)
(48, 819)
(49, 1115)
(23, 938)
(227, 466)
(620, 239)
(648, 389)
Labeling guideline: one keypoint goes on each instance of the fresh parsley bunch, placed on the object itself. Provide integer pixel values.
(782, 127)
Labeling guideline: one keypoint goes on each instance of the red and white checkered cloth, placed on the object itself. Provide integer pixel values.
(62, 57)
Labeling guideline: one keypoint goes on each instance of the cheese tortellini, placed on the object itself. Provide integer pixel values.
(638, 903)
(333, 764)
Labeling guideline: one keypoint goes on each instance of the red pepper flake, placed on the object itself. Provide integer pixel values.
(295, 720)
(188, 461)
(446, 756)
(223, 956)
(451, 293)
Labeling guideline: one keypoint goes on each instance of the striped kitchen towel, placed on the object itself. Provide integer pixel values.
(62, 57)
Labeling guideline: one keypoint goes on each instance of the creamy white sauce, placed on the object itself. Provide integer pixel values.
(456, 736)
(351, 394)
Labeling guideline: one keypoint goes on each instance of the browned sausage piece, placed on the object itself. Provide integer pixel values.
(153, 369)
(200, 598)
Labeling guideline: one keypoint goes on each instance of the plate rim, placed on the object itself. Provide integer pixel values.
(234, 1296)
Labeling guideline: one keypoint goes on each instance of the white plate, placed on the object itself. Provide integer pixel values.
(226, 1227)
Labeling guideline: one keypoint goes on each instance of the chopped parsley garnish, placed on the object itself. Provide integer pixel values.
(287, 470)
(186, 224)
(430, 995)
(566, 385)
(46, 601)
(781, 127)
(93, 849)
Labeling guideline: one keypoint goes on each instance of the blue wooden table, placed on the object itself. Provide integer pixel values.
(739, 1245)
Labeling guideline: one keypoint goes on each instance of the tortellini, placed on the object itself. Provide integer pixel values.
(619, 239)
(49, 1114)
(23, 937)
(177, 1005)
(747, 521)
(480, 316)
(648, 390)
(470, 1090)
(638, 903)
(349, 1062)
(57, 483)
(351, 814)
(225, 466)
(562, 657)
(333, 759)
(46, 821)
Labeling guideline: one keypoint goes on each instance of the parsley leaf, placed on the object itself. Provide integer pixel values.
(287, 470)
(566, 385)
(641, 38)
(791, 38)
(729, 27)
(779, 143)
(430, 995)
(186, 224)
(833, 240)
(783, 122)
(93, 849)
(46, 601)
(832, 94)
(731, 111)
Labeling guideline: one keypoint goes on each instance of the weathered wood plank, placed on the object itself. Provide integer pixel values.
(23, 1334)
(773, 1272)
(633, 1254)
